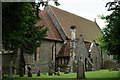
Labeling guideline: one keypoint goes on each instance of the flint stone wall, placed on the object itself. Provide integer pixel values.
(81, 51)
(6, 58)
(96, 56)
(44, 56)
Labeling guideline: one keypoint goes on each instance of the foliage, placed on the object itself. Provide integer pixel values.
(111, 38)
(19, 30)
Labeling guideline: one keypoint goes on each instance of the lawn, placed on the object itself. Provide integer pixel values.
(91, 75)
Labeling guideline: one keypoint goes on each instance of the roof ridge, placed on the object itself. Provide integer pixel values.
(58, 21)
(88, 28)
(71, 13)
(48, 25)
(46, 20)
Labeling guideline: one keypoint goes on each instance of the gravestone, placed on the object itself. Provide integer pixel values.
(66, 70)
(38, 74)
(50, 71)
(29, 72)
(26, 69)
(80, 70)
(59, 73)
(11, 70)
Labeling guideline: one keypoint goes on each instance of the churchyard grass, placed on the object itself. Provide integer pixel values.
(93, 75)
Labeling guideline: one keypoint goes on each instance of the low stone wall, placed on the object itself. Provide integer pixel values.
(109, 64)
(6, 58)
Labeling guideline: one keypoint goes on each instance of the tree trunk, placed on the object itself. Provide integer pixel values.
(20, 63)
(17, 63)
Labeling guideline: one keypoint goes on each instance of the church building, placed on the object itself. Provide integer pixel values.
(70, 38)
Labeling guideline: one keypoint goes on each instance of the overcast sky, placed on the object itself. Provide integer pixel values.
(88, 9)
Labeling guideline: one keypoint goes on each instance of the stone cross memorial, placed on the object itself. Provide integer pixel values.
(11, 70)
(80, 70)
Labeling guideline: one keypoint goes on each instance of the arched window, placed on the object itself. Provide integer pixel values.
(53, 53)
(36, 55)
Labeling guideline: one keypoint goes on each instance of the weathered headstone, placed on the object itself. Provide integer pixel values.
(26, 69)
(11, 70)
(59, 73)
(29, 72)
(38, 74)
(80, 70)
(50, 71)
(66, 70)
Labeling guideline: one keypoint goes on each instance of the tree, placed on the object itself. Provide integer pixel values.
(111, 38)
(19, 30)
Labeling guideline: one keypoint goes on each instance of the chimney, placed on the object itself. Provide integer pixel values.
(73, 33)
(94, 19)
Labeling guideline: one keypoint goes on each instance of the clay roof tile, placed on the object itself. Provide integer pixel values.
(52, 33)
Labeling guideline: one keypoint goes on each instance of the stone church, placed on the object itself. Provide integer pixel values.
(70, 38)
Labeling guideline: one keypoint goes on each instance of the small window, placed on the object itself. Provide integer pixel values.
(64, 60)
(53, 52)
(61, 60)
(35, 55)
(67, 60)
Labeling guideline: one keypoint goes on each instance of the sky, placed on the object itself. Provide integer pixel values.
(89, 9)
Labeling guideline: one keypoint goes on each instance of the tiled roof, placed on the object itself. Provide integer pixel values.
(52, 32)
(85, 27)
(65, 50)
